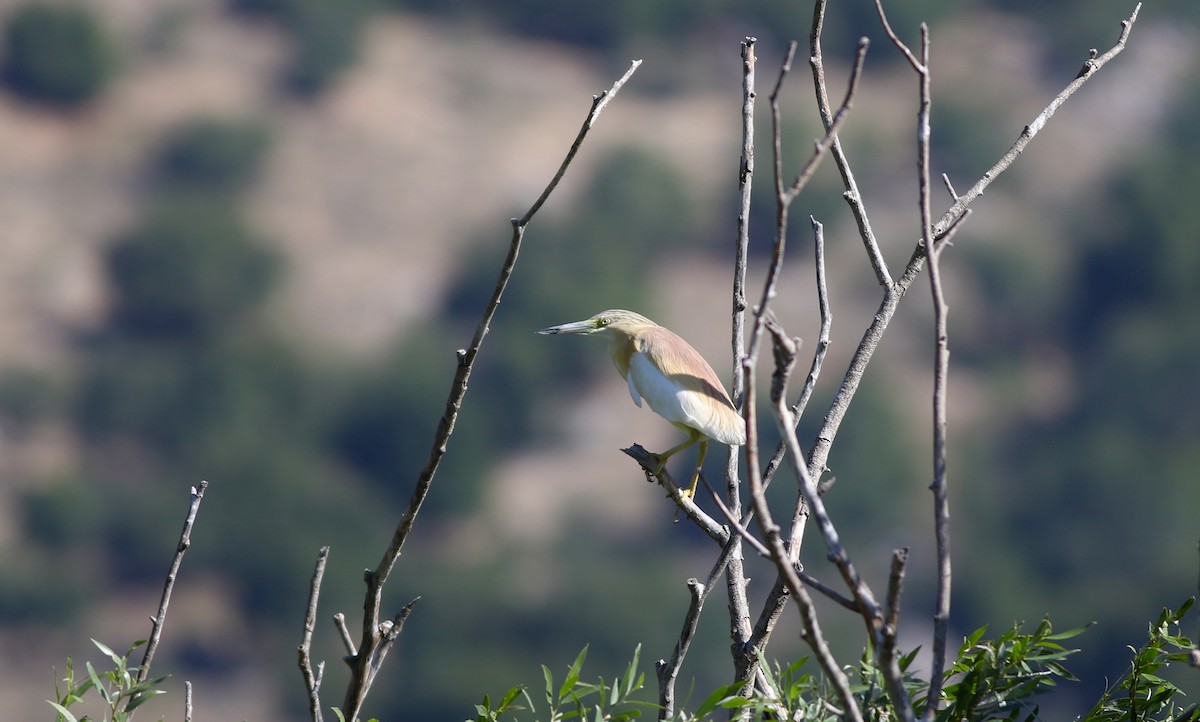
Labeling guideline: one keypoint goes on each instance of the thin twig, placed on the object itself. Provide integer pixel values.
(312, 681)
(339, 621)
(649, 462)
(185, 541)
(378, 636)
(187, 702)
(810, 381)
(1090, 66)
(852, 195)
(826, 316)
(667, 672)
(941, 504)
(892, 674)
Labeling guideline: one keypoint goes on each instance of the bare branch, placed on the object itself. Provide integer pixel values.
(814, 373)
(185, 541)
(735, 575)
(598, 104)
(826, 315)
(668, 671)
(853, 196)
(893, 677)
(894, 292)
(649, 462)
(1090, 66)
(312, 681)
(366, 664)
(785, 354)
(339, 621)
(941, 505)
(377, 636)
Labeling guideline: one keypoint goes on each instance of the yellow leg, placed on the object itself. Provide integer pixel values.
(693, 437)
(690, 492)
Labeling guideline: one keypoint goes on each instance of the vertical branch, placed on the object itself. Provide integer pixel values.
(312, 680)
(785, 359)
(745, 186)
(185, 541)
(941, 505)
(667, 672)
(735, 577)
(377, 636)
(784, 196)
(893, 676)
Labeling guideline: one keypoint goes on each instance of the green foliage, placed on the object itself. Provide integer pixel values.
(27, 396)
(1141, 694)
(117, 688)
(194, 400)
(573, 698)
(997, 679)
(192, 268)
(794, 694)
(990, 679)
(57, 54)
(213, 155)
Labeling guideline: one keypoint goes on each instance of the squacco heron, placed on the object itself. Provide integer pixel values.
(671, 376)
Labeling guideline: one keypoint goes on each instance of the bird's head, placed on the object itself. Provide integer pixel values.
(606, 323)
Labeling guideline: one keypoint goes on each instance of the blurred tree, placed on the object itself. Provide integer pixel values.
(191, 268)
(636, 206)
(213, 155)
(325, 36)
(57, 54)
(1129, 426)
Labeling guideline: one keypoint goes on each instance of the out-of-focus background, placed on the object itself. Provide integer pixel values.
(242, 239)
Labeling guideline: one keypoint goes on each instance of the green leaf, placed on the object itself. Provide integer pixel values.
(104, 693)
(62, 711)
(714, 699)
(631, 672)
(572, 674)
(509, 697)
(142, 696)
(117, 659)
(1070, 632)
(549, 677)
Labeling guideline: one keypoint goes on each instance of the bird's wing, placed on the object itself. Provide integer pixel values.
(633, 391)
(681, 387)
(658, 389)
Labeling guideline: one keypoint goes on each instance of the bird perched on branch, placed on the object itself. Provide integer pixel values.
(671, 376)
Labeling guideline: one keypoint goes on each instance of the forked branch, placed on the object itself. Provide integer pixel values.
(378, 636)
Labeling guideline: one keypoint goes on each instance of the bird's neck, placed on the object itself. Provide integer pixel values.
(621, 349)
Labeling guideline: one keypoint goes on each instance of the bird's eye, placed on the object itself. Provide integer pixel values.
(602, 322)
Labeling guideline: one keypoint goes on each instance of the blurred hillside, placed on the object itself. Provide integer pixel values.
(244, 238)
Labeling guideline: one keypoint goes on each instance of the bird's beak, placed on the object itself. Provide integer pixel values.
(586, 326)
